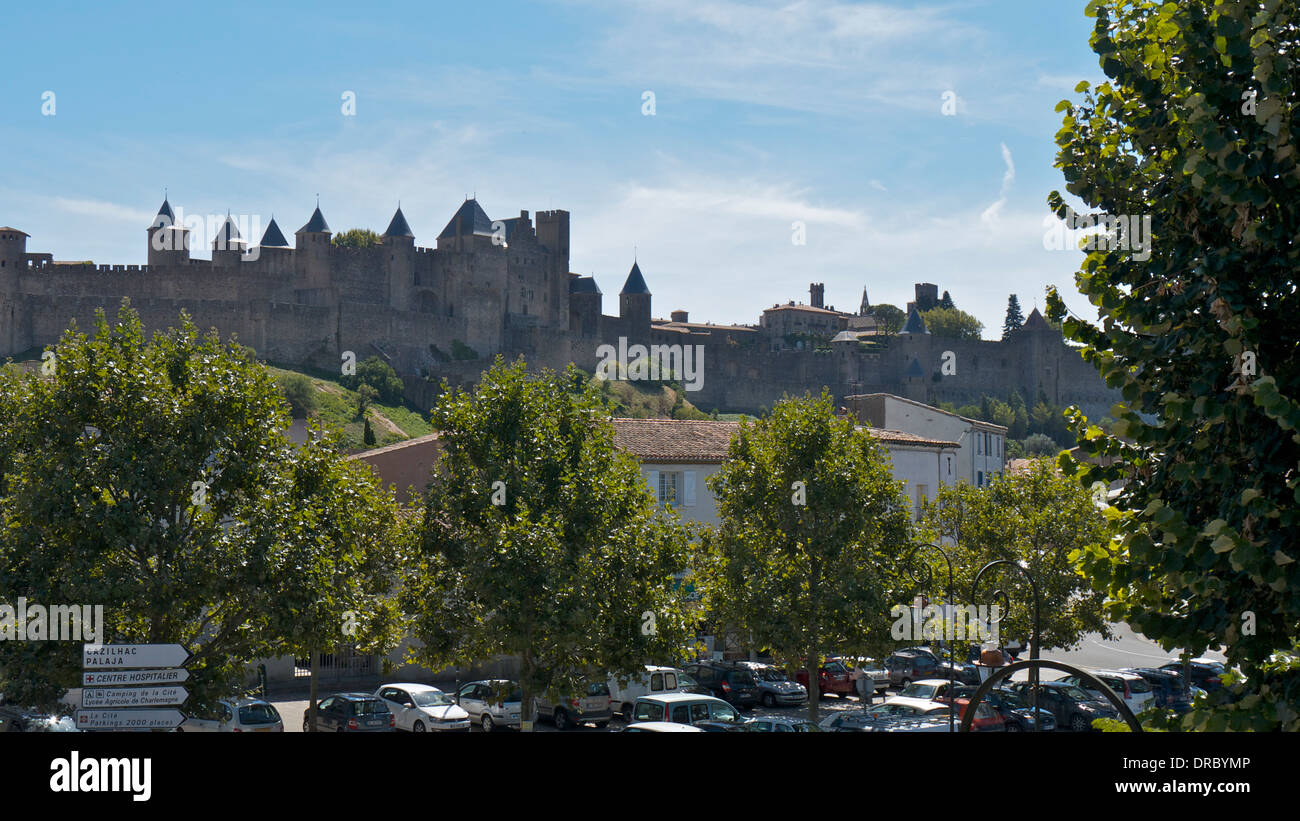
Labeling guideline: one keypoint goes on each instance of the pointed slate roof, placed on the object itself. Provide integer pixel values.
(635, 282)
(915, 324)
(914, 370)
(1035, 321)
(398, 227)
(274, 237)
(165, 216)
(865, 308)
(473, 221)
(316, 223)
(227, 234)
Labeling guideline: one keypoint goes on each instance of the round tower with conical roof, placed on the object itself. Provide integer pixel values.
(312, 254)
(634, 306)
(399, 256)
(169, 240)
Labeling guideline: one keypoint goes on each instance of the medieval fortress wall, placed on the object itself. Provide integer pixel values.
(504, 286)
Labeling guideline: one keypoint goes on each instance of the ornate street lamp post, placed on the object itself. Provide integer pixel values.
(923, 575)
(1037, 632)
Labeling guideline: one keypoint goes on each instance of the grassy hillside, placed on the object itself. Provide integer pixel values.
(642, 400)
(336, 407)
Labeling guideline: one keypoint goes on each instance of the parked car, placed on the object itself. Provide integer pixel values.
(1205, 673)
(930, 689)
(684, 708)
(863, 669)
(832, 677)
(1015, 712)
(593, 707)
(491, 703)
(1167, 689)
(963, 671)
(661, 727)
(420, 708)
(774, 687)
(857, 721)
(1071, 706)
(351, 713)
(727, 681)
(655, 680)
(15, 719)
(783, 724)
(236, 715)
(987, 719)
(1136, 691)
(906, 666)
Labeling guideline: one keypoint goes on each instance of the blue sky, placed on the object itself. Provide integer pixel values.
(766, 114)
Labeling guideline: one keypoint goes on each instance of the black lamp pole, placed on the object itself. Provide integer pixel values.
(925, 578)
(1033, 653)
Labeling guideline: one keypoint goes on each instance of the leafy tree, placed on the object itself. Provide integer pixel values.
(540, 540)
(805, 557)
(357, 238)
(1040, 445)
(153, 476)
(1019, 427)
(1196, 128)
(366, 396)
(299, 392)
(1036, 516)
(1015, 319)
(380, 376)
(890, 318)
(952, 323)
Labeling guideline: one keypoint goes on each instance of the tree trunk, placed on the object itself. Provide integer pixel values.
(814, 685)
(525, 696)
(311, 704)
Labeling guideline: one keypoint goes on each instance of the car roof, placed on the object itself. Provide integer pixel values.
(1119, 673)
(666, 727)
(411, 688)
(932, 681)
(244, 701)
(491, 681)
(354, 696)
(672, 698)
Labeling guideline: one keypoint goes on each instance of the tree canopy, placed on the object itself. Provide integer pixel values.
(1196, 129)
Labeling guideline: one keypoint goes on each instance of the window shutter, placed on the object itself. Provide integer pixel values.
(690, 488)
(654, 484)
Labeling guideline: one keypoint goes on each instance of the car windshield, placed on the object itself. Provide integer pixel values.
(916, 690)
(724, 712)
(597, 688)
(1074, 693)
(369, 707)
(431, 698)
(258, 714)
(684, 681)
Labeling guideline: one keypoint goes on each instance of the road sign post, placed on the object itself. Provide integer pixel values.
(155, 668)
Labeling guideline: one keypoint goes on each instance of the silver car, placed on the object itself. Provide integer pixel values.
(775, 689)
(592, 706)
(491, 703)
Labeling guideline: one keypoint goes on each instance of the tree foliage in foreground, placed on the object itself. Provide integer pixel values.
(1197, 129)
(541, 540)
(812, 524)
(153, 477)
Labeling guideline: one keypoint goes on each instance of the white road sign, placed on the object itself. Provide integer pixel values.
(122, 656)
(128, 719)
(108, 678)
(133, 696)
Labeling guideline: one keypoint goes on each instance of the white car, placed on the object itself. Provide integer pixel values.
(492, 703)
(927, 694)
(236, 715)
(654, 681)
(420, 708)
(1136, 692)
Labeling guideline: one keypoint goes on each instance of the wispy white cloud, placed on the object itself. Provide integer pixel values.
(102, 210)
(994, 211)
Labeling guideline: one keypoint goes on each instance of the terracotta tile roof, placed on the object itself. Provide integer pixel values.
(690, 441)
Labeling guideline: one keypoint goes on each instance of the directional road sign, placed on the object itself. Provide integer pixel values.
(107, 678)
(123, 656)
(129, 719)
(133, 696)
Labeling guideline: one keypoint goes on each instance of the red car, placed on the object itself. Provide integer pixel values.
(832, 677)
(986, 718)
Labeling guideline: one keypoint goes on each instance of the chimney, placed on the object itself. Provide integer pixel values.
(680, 316)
